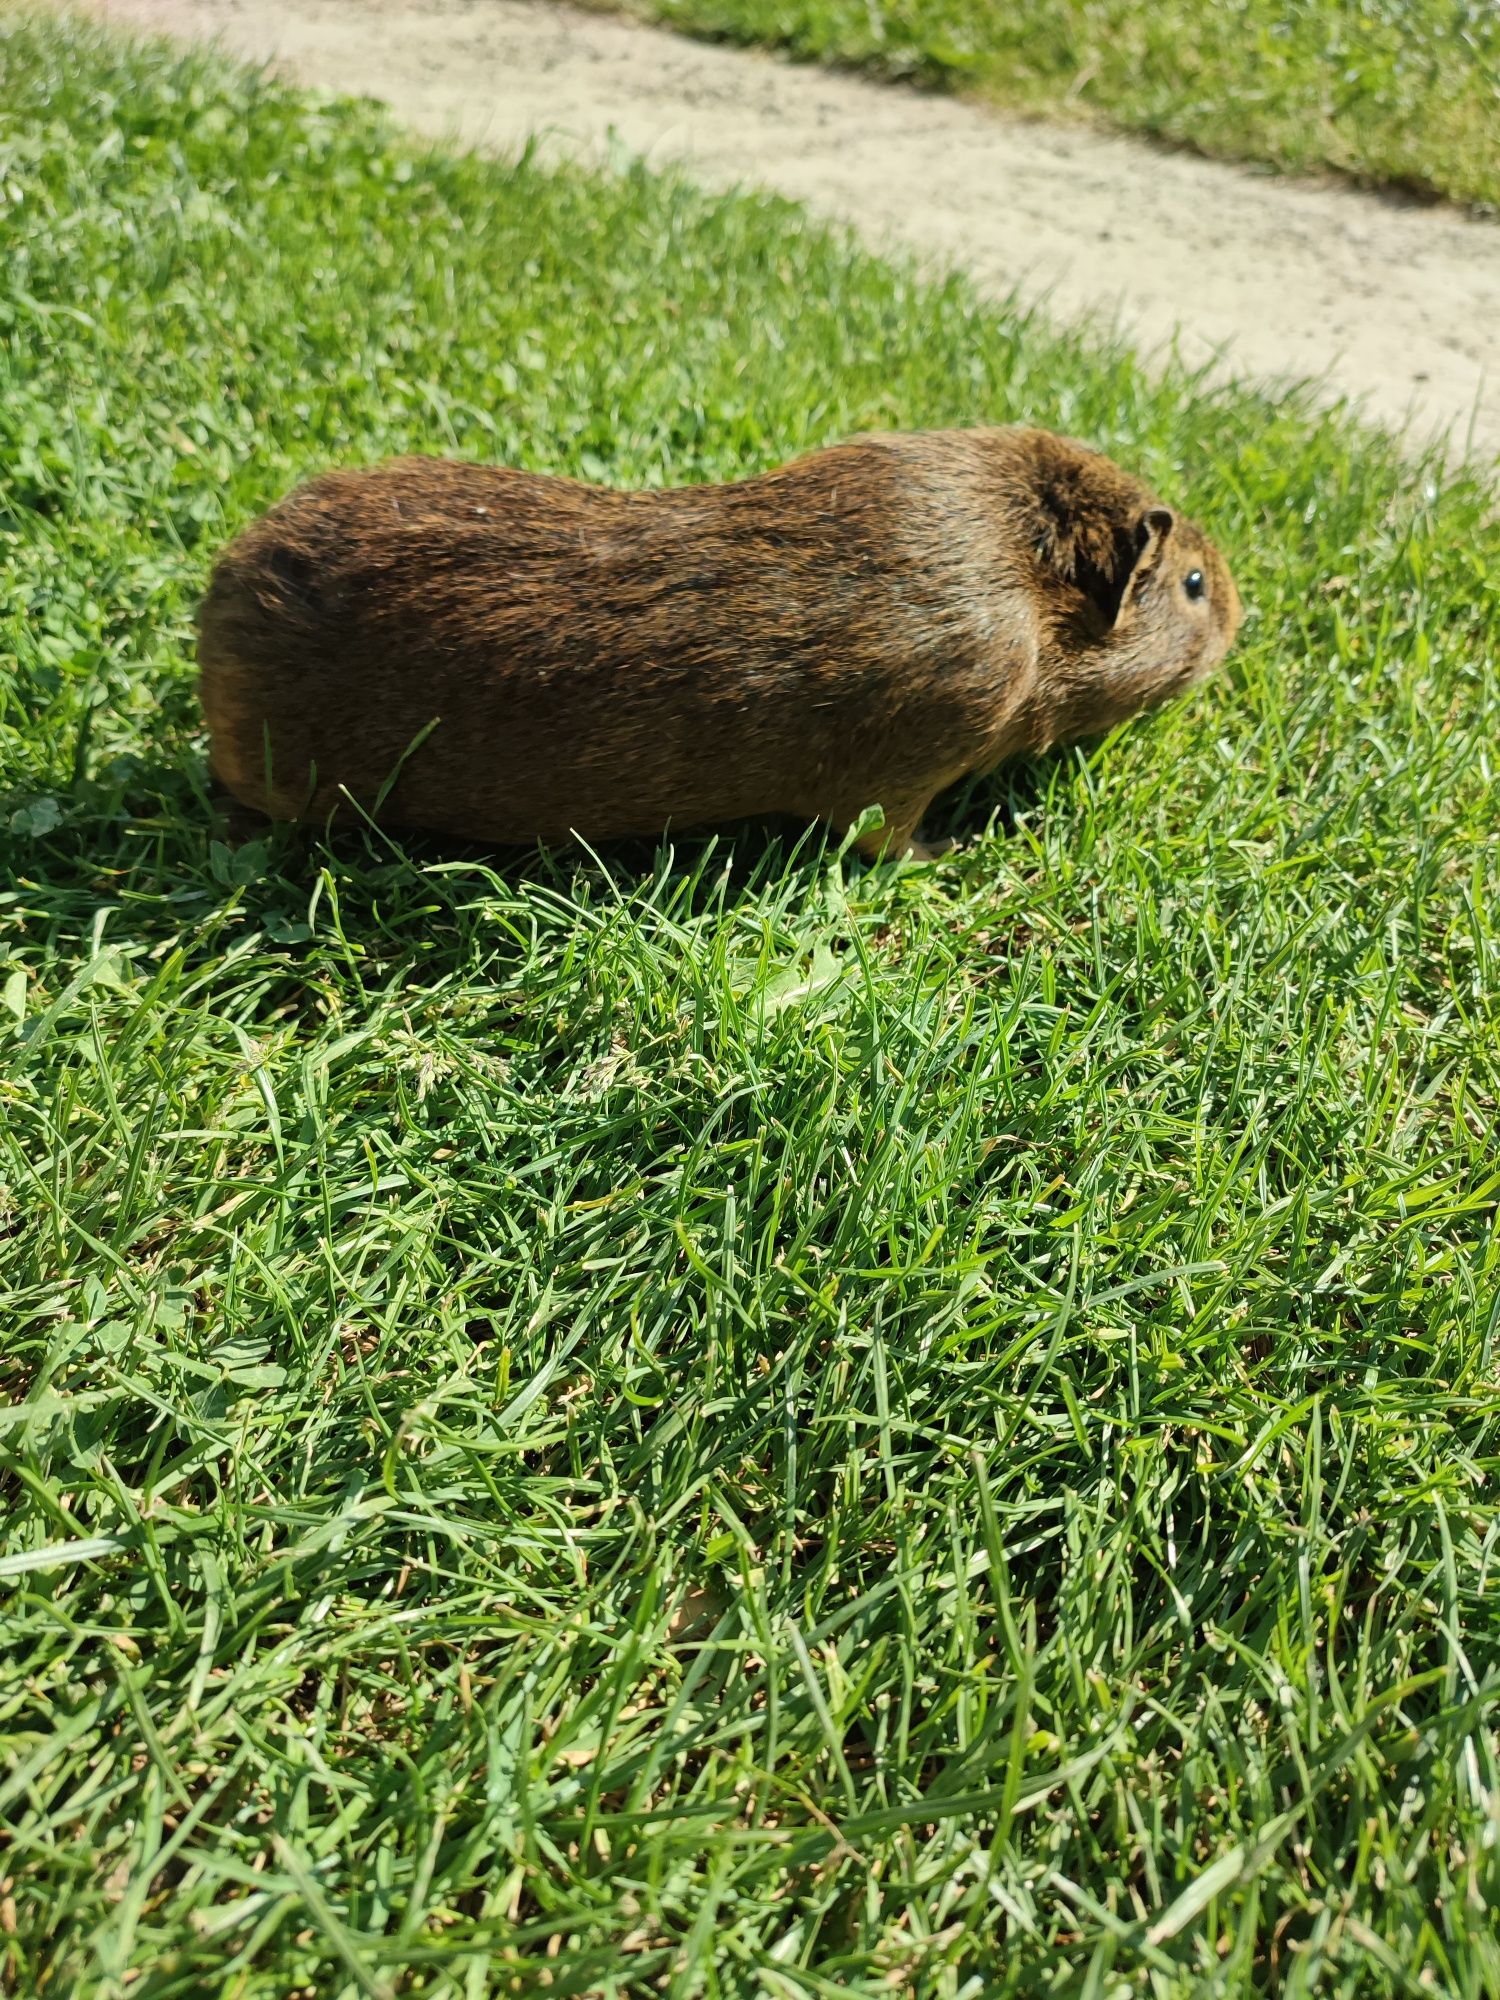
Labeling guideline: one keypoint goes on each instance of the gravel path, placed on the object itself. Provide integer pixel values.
(1397, 304)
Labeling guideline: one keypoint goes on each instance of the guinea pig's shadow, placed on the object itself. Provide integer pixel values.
(992, 800)
(742, 855)
(206, 850)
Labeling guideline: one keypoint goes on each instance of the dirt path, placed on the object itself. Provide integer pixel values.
(1399, 305)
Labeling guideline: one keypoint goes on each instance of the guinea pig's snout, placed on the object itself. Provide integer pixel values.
(1232, 617)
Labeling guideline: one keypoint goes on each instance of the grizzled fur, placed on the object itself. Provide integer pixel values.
(510, 657)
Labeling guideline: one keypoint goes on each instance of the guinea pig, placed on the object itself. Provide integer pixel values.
(509, 657)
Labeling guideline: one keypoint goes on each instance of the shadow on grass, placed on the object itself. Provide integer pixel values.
(156, 854)
(992, 801)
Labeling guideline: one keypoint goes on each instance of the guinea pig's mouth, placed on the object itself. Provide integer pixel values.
(1188, 678)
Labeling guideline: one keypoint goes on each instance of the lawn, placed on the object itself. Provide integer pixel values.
(1402, 93)
(706, 1420)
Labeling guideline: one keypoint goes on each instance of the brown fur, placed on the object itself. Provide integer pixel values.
(863, 626)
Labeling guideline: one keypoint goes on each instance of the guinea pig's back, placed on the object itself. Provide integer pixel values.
(371, 604)
(549, 657)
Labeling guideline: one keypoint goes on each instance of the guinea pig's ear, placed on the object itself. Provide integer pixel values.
(1150, 540)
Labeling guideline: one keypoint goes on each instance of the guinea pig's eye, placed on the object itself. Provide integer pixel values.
(1192, 583)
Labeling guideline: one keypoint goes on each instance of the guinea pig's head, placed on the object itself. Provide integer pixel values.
(1177, 611)
(1146, 605)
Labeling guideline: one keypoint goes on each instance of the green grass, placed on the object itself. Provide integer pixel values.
(709, 1421)
(1401, 93)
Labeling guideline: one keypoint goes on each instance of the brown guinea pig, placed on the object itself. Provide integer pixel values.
(510, 657)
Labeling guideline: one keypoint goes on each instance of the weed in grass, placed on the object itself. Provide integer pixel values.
(704, 1421)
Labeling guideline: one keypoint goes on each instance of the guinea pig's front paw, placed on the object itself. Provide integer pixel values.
(929, 850)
